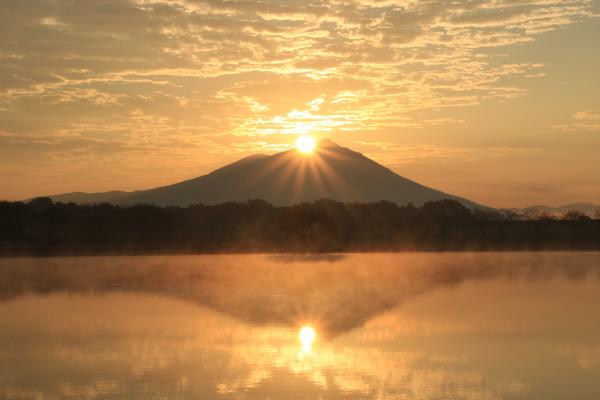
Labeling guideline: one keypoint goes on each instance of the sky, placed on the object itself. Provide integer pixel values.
(497, 101)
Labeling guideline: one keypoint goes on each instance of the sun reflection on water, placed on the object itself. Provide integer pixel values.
(307, 337)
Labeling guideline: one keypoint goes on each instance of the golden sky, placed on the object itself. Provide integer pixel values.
(494, 100)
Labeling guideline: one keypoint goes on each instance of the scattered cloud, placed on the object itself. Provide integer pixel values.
(587, 120)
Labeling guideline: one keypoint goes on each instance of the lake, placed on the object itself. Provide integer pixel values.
(328, 326)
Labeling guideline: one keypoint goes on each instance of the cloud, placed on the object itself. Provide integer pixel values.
(586, 120)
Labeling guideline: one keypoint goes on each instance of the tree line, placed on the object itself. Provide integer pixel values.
(44, 227)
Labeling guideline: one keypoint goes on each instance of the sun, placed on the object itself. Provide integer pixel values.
(307, 336)
(306, 144)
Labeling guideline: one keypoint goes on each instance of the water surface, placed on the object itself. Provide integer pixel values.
(386, 326)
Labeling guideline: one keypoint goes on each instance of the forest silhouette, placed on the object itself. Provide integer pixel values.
(45, 227)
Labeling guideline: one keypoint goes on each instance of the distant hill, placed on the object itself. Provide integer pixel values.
(586, 208)
(285, 178)
(90, 198)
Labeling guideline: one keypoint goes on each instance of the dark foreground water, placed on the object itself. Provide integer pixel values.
(385, 326)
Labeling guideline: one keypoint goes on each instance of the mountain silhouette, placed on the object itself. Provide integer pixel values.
(285, 178)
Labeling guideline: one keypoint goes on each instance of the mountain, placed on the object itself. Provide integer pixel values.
(285, 178)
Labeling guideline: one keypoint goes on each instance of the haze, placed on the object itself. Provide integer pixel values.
(494, 101)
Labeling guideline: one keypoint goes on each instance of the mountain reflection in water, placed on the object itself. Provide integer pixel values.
(424, 326)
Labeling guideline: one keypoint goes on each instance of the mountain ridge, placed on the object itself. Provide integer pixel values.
(583, 207)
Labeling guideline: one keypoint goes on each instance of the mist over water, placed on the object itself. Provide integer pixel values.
(386, 326)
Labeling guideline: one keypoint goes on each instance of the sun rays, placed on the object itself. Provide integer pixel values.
(295, 176)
